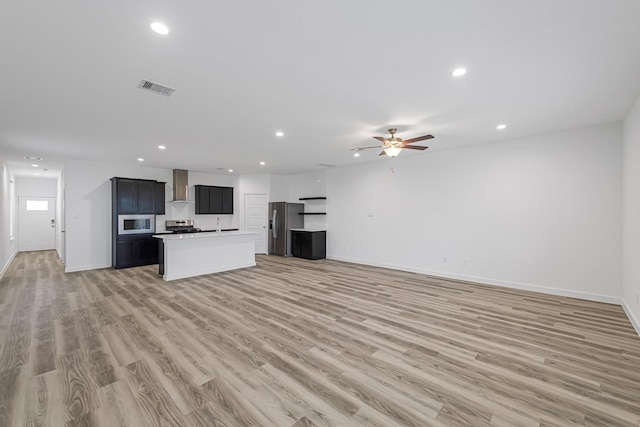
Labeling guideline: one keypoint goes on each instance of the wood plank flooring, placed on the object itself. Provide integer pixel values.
(300, 343)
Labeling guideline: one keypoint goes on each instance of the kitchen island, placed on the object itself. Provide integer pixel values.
(194, 254)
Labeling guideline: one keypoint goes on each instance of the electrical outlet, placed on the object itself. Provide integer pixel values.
(465, 261)
(444, 259)
(370, 214)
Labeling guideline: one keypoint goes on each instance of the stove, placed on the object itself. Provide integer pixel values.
(181, 226)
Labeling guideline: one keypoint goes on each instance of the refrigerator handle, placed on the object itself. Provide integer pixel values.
(274, 226)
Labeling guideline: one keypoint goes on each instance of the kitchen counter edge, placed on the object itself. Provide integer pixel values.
(201, 235)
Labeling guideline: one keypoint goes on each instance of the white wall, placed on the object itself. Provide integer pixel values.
(540, 213)
(290, 188)
(280, 191)
(44, 187)
(8, 245)
(251, 184)
(631, 215)
(188, 210)
(88, 207)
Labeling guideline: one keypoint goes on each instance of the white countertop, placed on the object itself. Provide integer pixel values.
(207, 235)
(307, 229)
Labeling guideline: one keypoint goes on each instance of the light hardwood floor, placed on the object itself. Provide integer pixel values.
(305, 343)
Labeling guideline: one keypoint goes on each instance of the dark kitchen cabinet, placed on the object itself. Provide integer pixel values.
(158, 197)
(124, 254)
(126, 194)
(146, 197)
(136, 250)
(213, 200)
(309, 244)
(136, 196)
(202, 200)
(227, 200)
(132, 197)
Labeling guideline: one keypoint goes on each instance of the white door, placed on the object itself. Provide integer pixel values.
(36, 223)
(255, 219)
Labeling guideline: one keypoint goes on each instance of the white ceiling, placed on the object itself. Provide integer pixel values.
(329, 74)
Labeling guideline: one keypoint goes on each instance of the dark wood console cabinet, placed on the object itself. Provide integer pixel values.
(309, 244)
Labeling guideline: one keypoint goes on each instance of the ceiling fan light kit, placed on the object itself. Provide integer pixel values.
(392, 151)
(394, 145)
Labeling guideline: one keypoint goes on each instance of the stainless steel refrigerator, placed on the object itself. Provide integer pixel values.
(283, 217)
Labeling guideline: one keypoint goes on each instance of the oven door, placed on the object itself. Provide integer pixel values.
(136, 224)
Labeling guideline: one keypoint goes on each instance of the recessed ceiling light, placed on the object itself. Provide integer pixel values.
(35, 166)
(161, 147)
(501, 126)
(140, 159)
(36, 173)
(160, 28)
(33, 158)
(279, 133)
(459, 72)
(230, 170)
(262, 163)
(356, 154)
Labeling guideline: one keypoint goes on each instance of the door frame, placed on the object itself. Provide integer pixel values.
(20, 219)
(266, 217)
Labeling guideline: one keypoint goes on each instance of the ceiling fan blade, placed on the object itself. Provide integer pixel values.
(365, 148)
(420, 138)
(381, 139)
(414, 147)
(382, 154)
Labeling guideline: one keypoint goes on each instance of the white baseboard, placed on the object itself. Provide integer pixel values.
(7, 264)
(483, 280)
(74, 269)
(635, 322)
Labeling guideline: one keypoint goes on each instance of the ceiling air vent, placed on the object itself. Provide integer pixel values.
(327, 165)
(155, 88)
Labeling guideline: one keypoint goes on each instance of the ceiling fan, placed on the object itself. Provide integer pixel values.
(392, 146)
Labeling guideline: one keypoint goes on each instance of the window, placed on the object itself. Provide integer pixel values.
(37, 205)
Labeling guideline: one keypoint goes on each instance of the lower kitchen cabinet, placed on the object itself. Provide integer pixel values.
(309, 244)
(136, 250)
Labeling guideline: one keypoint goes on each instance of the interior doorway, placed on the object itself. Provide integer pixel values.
(255, 219)
(36, 223)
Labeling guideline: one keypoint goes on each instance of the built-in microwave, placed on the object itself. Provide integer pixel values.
(136, 224)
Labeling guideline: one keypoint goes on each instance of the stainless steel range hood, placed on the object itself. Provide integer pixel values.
(180, 185)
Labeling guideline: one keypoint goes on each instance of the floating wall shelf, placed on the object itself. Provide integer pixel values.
(312, 213)
(312, 198)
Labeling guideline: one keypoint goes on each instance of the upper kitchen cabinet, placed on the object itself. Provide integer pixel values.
(213, 200)
(126, 195)
(226, 205)
(202, 199)
(146, 197)
(159, 197)
(137, 196)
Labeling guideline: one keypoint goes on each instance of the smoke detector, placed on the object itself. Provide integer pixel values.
(155, 88)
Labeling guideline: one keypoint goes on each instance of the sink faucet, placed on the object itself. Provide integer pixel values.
(219, 230)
